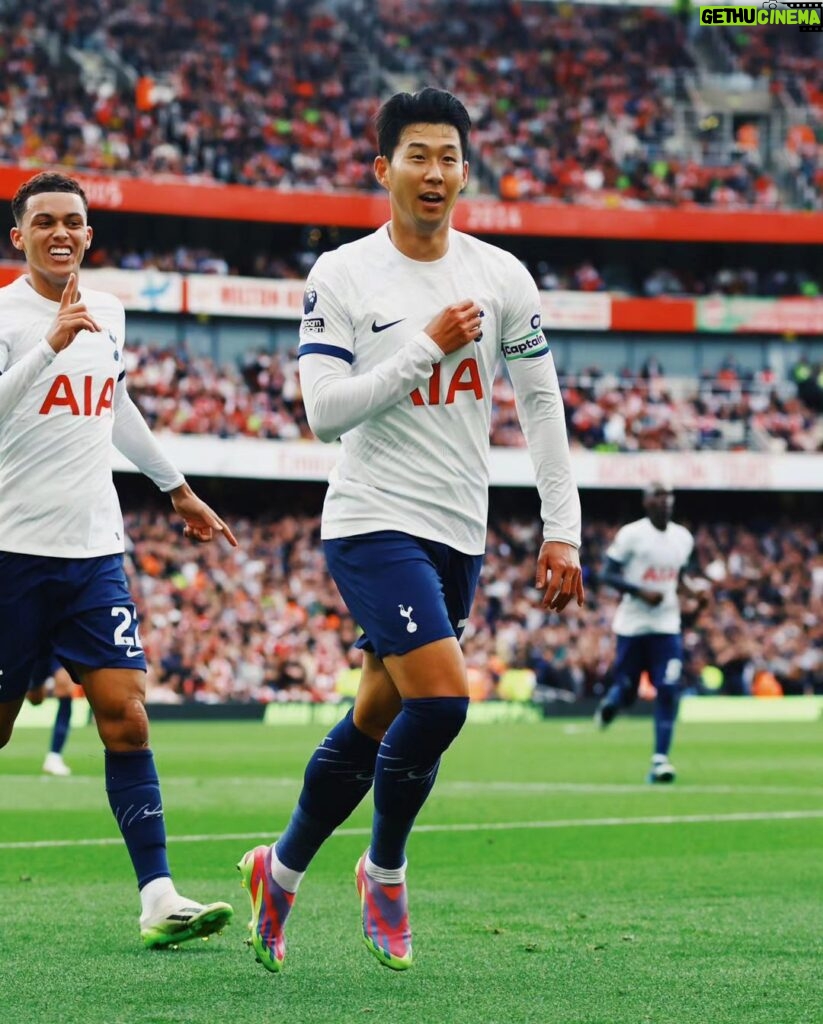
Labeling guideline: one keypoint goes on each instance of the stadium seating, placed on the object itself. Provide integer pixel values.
(585, 103)
(729, 410)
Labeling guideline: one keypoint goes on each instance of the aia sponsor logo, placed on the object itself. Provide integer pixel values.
(80, 398)
(657, 575)
(466, 377)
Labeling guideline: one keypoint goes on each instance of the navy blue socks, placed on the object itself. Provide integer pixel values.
(665, 715)
(338, 776)
(62, 721)
(342, 769)
(406, 769)
(133, 790)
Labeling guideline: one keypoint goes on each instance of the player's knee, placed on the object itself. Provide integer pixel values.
(443, 717)
(373, 723)
(63, 685)
(668, 697)
(123, 726)
(5, 734)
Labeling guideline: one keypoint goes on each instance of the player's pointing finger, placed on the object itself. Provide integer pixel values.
(212, 520)
(68, 292)
(226, 532)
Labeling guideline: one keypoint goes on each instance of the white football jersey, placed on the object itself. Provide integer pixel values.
(414, 423)
(57, 496)
(652, 559)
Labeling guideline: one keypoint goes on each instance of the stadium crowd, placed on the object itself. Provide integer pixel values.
(569, 102)
(790, 65)
(733, 408)
(246, 93)
(264, 622)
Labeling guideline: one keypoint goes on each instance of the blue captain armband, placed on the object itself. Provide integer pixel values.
(530, 346)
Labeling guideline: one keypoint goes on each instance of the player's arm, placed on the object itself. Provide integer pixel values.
(15, 380)
(132, 437)
(540, 410)
(612, 576)
(335, 399)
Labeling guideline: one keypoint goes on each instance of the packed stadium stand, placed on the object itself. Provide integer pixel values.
(733, 408)
(571, 102)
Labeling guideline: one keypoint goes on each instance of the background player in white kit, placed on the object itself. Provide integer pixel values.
(63, 401)
(646, 562)
(400, 338)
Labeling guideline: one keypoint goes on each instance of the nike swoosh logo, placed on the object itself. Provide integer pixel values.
(134, 652)
(377, 328)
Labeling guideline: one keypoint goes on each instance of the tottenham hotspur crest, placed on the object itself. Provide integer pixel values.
(411, 627)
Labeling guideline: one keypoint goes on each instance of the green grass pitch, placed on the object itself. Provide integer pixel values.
(548, 883)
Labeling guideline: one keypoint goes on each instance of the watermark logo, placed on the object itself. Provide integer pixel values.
(807, 17)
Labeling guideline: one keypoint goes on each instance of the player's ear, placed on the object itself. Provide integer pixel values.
(381, 171)
(16, 236)
(89, 236)
(465, 174)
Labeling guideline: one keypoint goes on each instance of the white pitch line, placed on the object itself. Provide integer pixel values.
(617, 788)
(494, 826)
(447, 787)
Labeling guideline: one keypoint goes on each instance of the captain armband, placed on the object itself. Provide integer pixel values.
(528, 347)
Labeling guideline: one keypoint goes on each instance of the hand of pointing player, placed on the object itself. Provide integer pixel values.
(72, 318)
(201, 522)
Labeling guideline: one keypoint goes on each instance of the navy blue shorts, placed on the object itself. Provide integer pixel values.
(403, 591)
(44, 668)
(77, 609)
(659, 654)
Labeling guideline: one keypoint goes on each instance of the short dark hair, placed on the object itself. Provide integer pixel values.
(428, 106)
(46, 181)
(655, 487)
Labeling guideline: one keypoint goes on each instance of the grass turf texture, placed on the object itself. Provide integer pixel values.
(585, 919)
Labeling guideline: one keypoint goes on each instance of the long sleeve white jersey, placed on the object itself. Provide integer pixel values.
(414, 423)
(59, 416)
(651, 559)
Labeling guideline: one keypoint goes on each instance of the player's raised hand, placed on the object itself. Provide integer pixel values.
(202, 522)
(456, 325)
(559, 575)
(72, 318)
